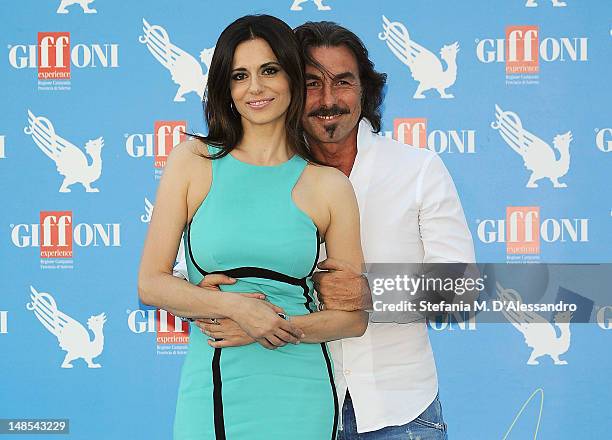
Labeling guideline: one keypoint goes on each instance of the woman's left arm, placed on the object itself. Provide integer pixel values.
(342, 243)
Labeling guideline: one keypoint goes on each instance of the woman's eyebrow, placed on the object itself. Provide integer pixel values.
(264, 65)
(270, 63)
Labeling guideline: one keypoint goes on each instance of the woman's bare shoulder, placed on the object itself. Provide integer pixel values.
(187, 156)
(329, 180)
(188, 150)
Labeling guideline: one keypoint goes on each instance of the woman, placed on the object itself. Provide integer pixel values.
(253, 205)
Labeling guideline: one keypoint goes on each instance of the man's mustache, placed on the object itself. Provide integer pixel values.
(329, 111)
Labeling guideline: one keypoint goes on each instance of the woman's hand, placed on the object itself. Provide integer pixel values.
(273, 331)
(260, 321)
(224, 333)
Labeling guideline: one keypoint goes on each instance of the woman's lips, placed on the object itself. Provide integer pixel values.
(260, 103)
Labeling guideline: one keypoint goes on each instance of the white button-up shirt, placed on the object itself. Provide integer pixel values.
(410, 213)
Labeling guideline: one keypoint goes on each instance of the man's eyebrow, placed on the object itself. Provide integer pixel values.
(343, 75)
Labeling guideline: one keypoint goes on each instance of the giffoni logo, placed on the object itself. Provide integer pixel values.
(166, 135)
(603, 139)
(54, 55)
(523, 230)
(523, 48)
(414, 131)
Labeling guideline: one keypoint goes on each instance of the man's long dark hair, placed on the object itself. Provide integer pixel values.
(223, 120)
(329, 34)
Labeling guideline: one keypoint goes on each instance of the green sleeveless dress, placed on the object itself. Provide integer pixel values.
(249, 228)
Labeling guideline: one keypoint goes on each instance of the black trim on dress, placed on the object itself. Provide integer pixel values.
(218, 396)
(259, 272)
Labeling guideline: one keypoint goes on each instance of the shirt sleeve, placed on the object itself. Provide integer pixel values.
(444, 232)
(180, 266)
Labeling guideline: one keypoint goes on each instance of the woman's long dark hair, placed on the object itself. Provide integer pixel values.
(224, 124)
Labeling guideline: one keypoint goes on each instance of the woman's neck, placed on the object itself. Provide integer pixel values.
(264, 144)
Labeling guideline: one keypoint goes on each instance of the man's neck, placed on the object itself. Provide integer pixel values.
(340, 155)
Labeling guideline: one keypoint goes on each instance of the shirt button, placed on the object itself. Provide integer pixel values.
(347, 371)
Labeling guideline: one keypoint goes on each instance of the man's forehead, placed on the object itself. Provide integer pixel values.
(334, 59)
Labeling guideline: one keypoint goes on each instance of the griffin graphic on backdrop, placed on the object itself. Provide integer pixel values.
(186, 71)
(424, 65)
(83, 3)
(71, 335)
(539, 157)
(540, 335)
(320, 6)
(146, 217)
(71, 162)
(555, 3)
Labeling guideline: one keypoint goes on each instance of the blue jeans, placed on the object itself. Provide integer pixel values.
(427, 426)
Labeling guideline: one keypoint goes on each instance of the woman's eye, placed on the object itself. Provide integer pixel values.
(238, 76)
(270, 70)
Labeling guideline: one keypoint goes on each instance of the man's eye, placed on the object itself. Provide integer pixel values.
(343, 83)
(312, 84)
(238, 76)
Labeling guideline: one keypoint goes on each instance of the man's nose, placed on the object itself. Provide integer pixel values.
(328, 98)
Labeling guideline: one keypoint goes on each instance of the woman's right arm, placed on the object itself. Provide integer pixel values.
(156, 285)
(159, 288)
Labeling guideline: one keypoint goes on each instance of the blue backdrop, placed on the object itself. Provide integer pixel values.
(95, 95)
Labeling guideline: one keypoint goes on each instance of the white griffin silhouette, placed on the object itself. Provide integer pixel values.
(555, 3)
(186, 71)
(319, 3)
(540, 335)
(146, 217)
(71, 335)
(425, 67)
(538, 156)
(70, 160)
(84, 4)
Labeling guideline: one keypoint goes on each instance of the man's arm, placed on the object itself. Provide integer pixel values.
(340, 287)
(444, 231)
(442, 226)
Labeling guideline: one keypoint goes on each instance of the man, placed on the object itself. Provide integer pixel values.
(410, 213)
